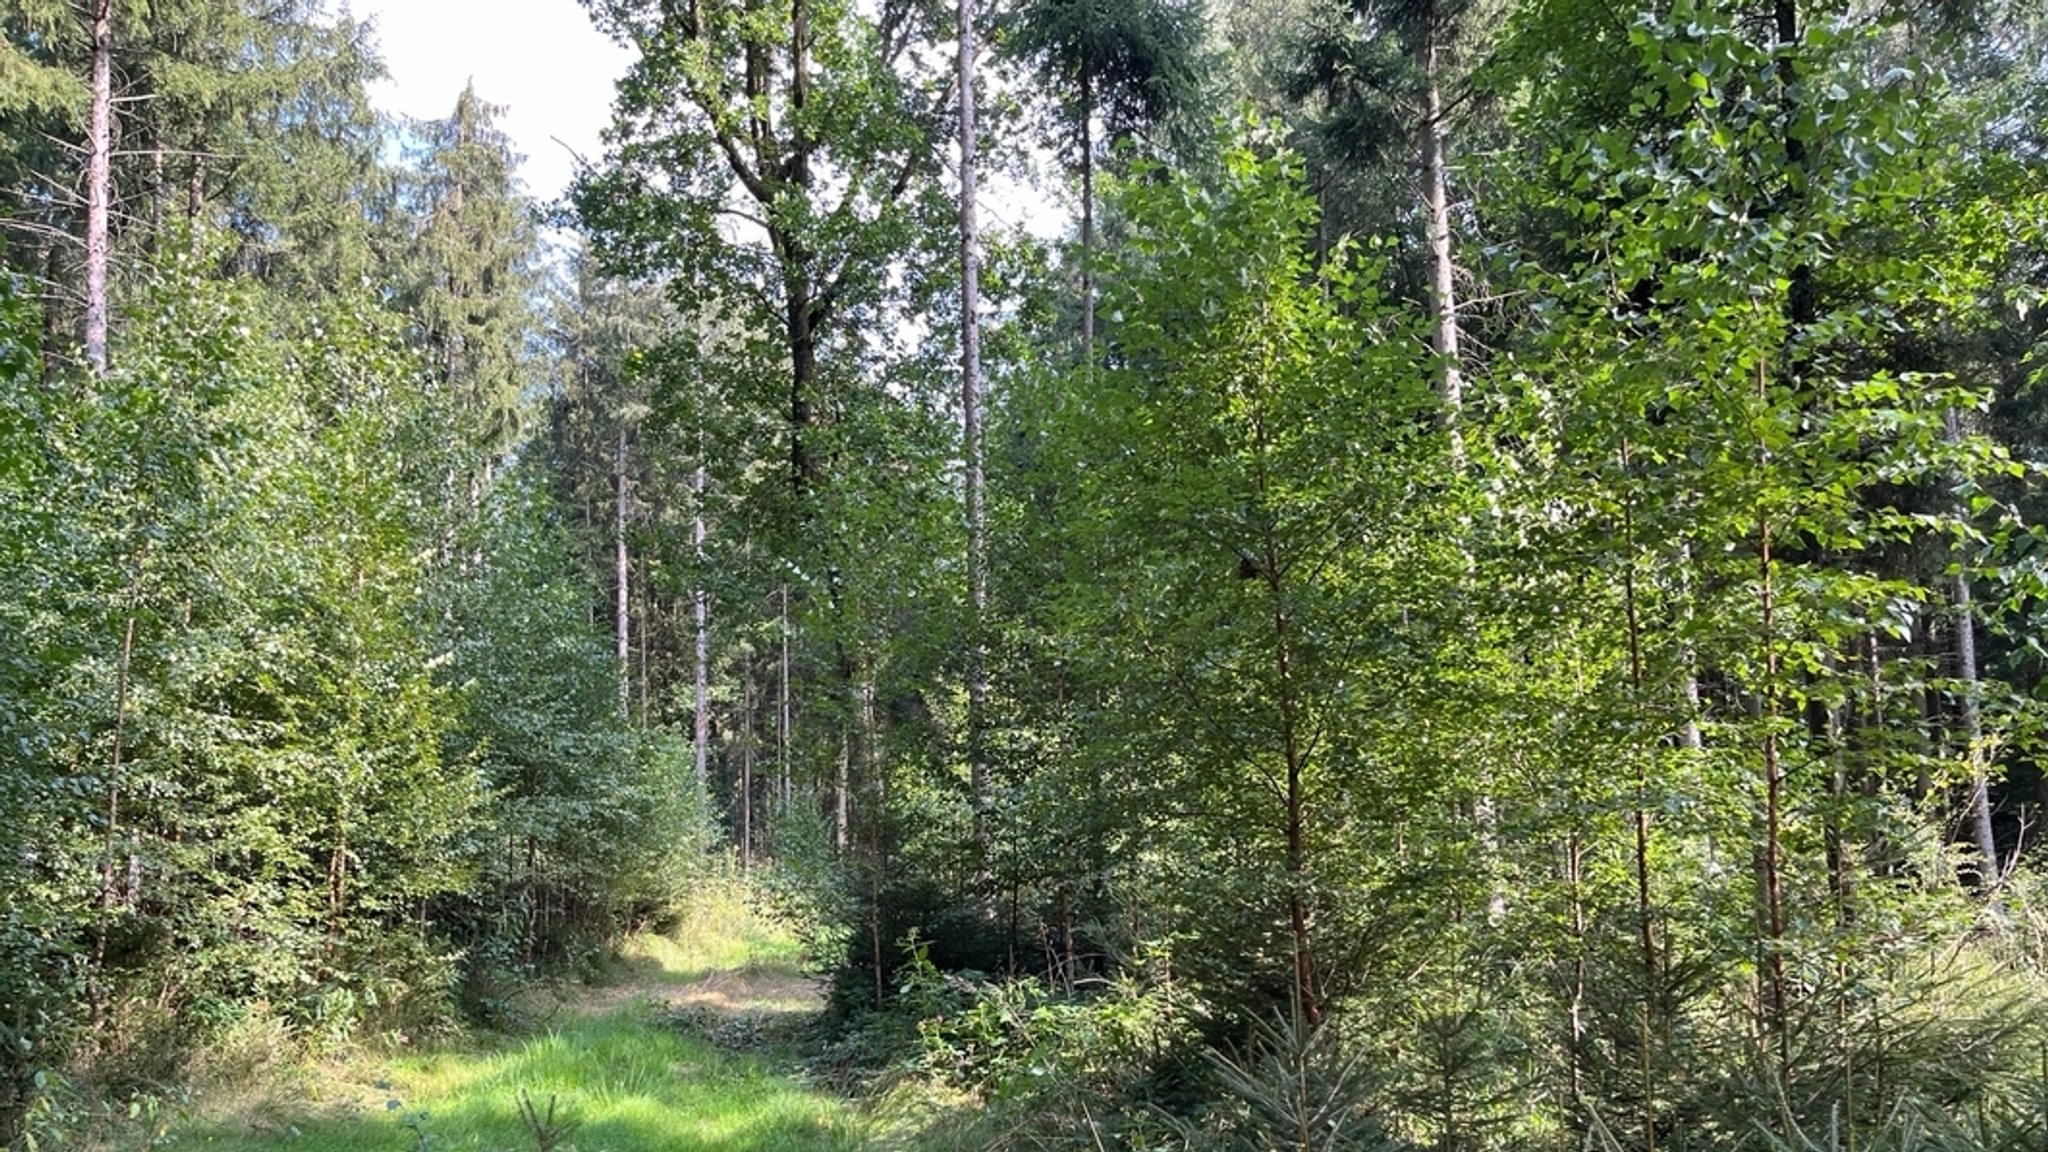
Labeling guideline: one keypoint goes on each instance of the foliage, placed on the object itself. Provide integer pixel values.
(1640, 752)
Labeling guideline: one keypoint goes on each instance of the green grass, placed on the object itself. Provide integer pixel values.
(628, 1085)
(628, 1081)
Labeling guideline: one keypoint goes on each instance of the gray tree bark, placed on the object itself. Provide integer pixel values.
(623, 613)
(971, 451)
(99, 184)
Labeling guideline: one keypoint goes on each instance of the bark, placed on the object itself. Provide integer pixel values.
(1294, 755)
(99, 184)
(1971, 710)
(877, 785)
(746, 789)
(1799, 313)
(783, 729)
(803, 385)
(1436, 200)
(96, 985)
(157, 190)
(971, 450)
(700, 605)
(650, 627)
(1772, 862)
(1575, 875)
(1646, 937)
(622, 614)
(54, 338)
(195, 195)
(842, 793)
(1088, 219)
(803, 303)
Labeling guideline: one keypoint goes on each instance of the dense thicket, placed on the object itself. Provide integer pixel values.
(1512, 587)
(1514, 630)
(307, 726)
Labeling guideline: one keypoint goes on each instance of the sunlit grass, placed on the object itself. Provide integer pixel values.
(627, 1081)
(723, 930)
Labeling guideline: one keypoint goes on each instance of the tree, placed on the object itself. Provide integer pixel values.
(1233, 493)
(1132, 64)
(470, 266)
(807, 113)
(972, 462)
(1385, 73)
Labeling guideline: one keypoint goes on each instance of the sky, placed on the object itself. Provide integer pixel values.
(553, 73)
(541, 59)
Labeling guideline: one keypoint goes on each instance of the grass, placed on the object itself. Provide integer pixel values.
(617, 1070)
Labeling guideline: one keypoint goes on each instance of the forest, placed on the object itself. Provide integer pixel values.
(1382, 575)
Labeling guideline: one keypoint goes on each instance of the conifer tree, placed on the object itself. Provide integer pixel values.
(469, 266)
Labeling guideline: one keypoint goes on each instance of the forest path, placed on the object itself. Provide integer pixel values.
(688, 1051)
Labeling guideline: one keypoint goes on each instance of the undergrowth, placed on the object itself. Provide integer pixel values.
(605, 1069)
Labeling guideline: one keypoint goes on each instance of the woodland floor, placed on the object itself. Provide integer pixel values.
(689, 1049)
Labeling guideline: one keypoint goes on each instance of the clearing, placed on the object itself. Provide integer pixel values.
(687, 1052)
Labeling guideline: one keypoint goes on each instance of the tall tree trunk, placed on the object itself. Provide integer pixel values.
(842, 811)
(99, 184)
(157, 189)
(1436, 200)
(1800, 312)
(803, 384)
(97, 987)
(650, 628)
(803, 301)
(1087, 220)
(622, 620)
(700, 607)
(1771, 864)
(746, 789)
(1294, 751)
(1646, 937)
(971, 452)
(195, 195)
(55, 340)
(1971, 708)
(783, 728)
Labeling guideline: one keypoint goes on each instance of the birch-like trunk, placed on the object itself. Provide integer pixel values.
(971, 451)
(1972, 713)
(1437, 202)
(700, 604)
(784, 731)
(1088, 220)
(99, 184)
(623, 613)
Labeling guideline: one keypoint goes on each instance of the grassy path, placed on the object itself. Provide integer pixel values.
(629, 1067)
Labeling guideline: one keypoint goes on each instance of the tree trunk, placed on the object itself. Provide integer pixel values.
(99, 184)
(1294, 752)
(1772, 862)
(783, 728)
(650, 628)
(1972, 717)
(1436, 200)
(701, 609)
(622, 621)
(842, 792)
(971, 452)
(803, 382)
(1088, 220)
(1646, 937)
(746, 789)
